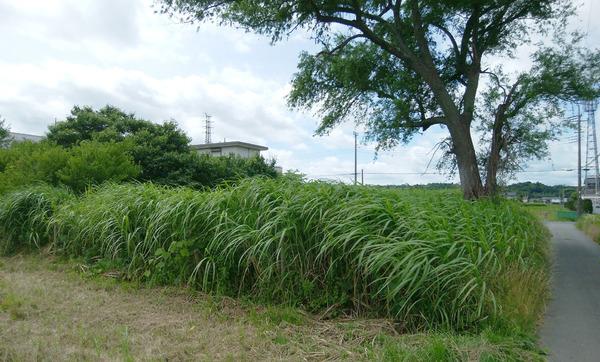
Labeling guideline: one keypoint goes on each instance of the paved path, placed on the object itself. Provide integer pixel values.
(571, 329)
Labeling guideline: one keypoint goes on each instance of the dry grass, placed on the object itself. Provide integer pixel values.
(50, 310)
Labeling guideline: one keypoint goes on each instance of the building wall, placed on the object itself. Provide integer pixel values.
(19, 137)
(234, 150)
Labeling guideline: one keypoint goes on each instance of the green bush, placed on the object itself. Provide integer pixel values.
(89, 163)
(426, 258)
(25, 163)
(161, 150)
(92, 163)
(586, 204)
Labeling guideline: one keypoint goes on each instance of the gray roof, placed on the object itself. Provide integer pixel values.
(206, 146)
(25, 137)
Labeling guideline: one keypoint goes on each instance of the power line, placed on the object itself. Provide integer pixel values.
(431, 173)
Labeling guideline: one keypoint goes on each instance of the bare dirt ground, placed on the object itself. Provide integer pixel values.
(56, 311)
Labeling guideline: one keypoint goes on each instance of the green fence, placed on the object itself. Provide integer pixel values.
(566, 215)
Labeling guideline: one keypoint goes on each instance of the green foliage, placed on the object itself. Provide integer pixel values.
(401, 67)
(92, 163)
(25, 216)
(88, 163)
(586, 204)
(571, 204)
(538, 189)
(159, 149)
(24, 163)
(590, 224)
(211, 171)
(587, 207)
(5, 138)
(425, 258)
(526, 112)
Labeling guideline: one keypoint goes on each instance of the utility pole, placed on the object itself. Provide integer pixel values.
(579, 211)
(355, 158)
(362, 176)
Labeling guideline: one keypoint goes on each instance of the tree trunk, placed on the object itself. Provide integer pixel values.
(493, 161)
(466, 160)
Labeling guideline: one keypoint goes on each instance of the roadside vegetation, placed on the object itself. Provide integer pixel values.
(550, 212)
(425, 260)
(590, 224)
(392, 273)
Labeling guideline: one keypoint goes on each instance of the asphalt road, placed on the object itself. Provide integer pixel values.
(571, 329)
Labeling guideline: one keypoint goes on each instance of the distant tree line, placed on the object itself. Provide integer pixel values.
(522, 189)
(93, 146)
(538, 189)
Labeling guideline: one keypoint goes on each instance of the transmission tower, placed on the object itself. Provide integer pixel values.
(207, 128)
(592, 171)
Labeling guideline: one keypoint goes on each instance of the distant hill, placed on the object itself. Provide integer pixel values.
(538, 189)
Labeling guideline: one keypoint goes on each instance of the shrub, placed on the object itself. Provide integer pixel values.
(586, 204)
(208, 171)
(161, 150)
(92, 163)
(156, 148)
(25, 163)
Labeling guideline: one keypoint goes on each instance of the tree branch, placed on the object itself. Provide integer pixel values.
(428, 122)
(341, 45)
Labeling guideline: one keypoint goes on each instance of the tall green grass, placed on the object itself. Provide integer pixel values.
(426, 258)
(590, 224)
(25, 216)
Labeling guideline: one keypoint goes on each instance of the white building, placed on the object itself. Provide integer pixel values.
(18, 137)
(234, 148)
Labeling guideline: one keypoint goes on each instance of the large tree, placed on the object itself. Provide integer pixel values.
(517, 115)
(400, 66)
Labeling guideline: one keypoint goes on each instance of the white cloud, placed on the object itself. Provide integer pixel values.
(60, 53)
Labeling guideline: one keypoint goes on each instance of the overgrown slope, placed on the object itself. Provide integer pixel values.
(427, 259)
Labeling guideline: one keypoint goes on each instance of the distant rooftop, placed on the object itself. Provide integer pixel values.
(25, 137)
(251, 146)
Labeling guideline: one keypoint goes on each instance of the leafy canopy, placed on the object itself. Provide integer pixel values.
(395, 65)
(155, 147)
(399, 66)
(161, 150)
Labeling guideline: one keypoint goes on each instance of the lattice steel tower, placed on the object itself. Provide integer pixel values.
(207, 129)
(591, 168)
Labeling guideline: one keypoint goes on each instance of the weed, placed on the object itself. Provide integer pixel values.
(428, 259)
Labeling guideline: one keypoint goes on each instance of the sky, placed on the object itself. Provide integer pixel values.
(60, 53)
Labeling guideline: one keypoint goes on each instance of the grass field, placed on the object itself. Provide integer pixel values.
(547, 212)
(422, 260)
(56, 310)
